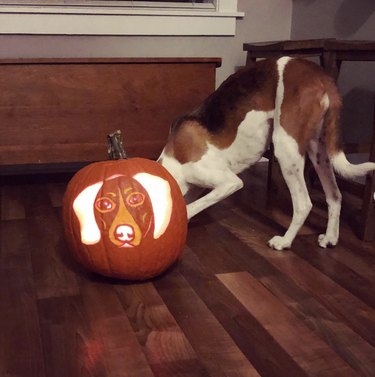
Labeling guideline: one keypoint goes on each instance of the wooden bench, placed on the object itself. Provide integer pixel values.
(57, 112)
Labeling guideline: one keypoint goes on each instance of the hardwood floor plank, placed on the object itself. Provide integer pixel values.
(70, 347)
(165, 345)
(313, 355)
(331, 328)
(350, 346)
(269, 358)
(350, 251)
(349, 308)
(20, 345)
(363, 266)
(216, 256)
(21, 353)
(348, 279)
(11, 205)
(53, 276)
(14, 247)
(122, 353)
(56, 192)
(212, 344)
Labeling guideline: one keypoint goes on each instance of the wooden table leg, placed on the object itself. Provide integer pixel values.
(367, 221)
(330, 63)
(250, 60)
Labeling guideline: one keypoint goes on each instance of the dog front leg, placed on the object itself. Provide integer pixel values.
(193, 194)
(217, 194)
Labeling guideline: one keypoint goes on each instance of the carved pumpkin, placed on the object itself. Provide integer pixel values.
(125, 218)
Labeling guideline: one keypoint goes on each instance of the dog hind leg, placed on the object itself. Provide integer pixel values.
(323, 167)
(292, 167)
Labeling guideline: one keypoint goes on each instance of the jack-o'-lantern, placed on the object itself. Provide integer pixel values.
(125, 218)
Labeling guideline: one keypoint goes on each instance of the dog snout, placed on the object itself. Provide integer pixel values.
(124, 233)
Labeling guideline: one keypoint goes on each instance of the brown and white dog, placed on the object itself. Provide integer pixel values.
(232, 128)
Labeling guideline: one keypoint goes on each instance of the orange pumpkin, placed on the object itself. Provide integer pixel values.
(125, 218)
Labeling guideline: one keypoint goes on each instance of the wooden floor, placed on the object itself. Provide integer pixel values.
(229, 307)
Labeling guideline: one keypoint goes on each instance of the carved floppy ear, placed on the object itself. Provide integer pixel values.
(83, 207)
(159, 192)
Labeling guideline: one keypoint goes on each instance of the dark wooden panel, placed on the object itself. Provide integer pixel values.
(62, 110)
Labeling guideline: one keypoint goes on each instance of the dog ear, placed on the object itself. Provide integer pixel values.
(83, 207)
(159, 192)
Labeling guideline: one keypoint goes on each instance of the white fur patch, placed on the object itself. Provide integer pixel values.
(209, 171)
(286, 146)
(281, 63)
(175, 169)
(324, 102)
(251, 141)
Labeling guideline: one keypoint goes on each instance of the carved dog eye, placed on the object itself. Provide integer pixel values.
(135, 199)
(105, 205)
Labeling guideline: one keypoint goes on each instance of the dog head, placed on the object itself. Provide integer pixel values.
(125, 211)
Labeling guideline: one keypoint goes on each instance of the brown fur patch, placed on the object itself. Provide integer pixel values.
(332, 118)
(188, 141)
(219, 116)
(305, 84)
(248, 89)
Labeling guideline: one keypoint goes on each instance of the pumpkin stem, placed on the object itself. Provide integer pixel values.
(116, 149)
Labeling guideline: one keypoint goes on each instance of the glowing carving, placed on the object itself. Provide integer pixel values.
(124, 231)
(104, 205)
(84, 209)
(160, 194)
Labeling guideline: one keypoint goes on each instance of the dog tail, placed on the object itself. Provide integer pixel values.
(337, 157)
(347, 170)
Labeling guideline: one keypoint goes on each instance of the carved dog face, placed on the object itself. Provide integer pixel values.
(124, 210)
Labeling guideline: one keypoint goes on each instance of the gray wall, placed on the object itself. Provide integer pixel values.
(255, 26)
(344, 19)
(265, 20)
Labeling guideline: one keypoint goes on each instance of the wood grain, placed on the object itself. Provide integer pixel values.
(60, 110)
(231, 307)
(218, 352)
(313, 355)
(21, 349)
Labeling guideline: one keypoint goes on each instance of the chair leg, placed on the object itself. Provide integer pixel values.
(367, 221)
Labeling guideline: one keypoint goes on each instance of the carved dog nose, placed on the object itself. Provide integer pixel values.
(124, 233)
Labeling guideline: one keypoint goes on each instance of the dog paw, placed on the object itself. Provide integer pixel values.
(279, 243)
(325, 241)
